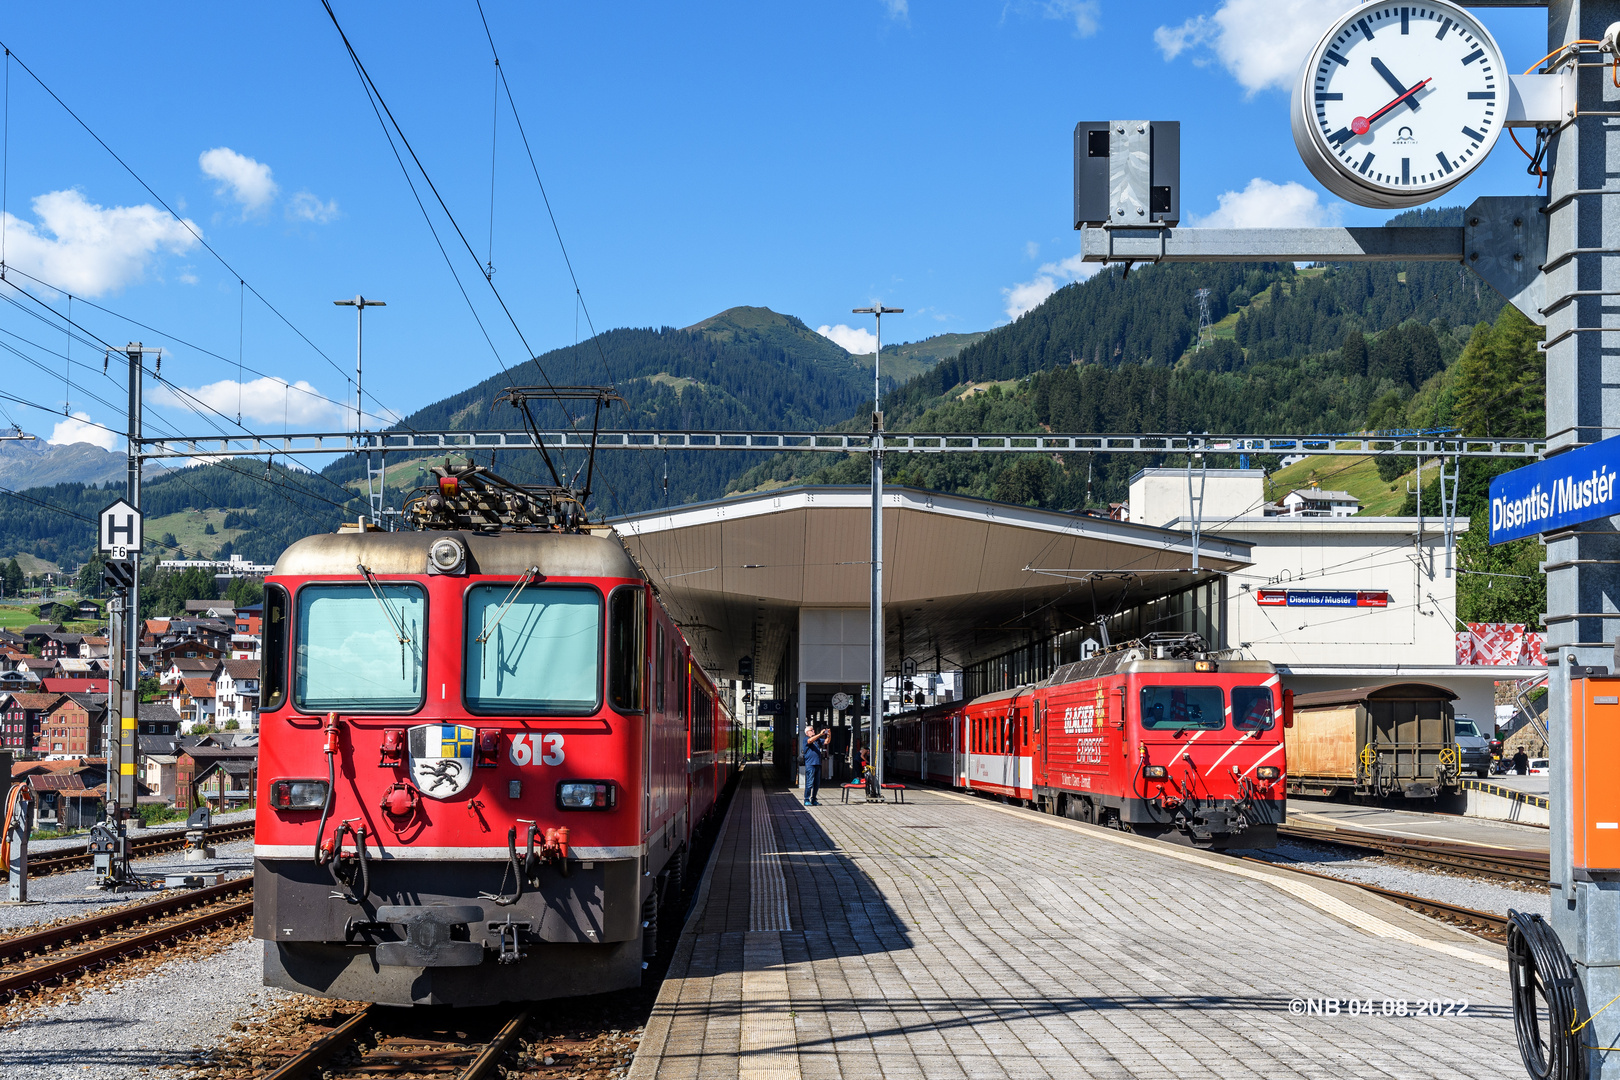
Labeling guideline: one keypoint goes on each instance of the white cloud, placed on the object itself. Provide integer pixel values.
(1260, 42)
(899, 10)
(307, 207)
(1266, 205)
(1029, 295)
(245, 180)
(1032, 249)
(88, 249)
(78, 429)
(1084, 14)
(852, 340)
(262, 401)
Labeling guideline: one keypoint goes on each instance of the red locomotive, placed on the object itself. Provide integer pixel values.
(484, 748)
(1157, 737)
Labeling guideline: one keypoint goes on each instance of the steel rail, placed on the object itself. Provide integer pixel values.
(1503, 863)
(833, 442)
(41, 941)
(81, 960)
(76, 858)
(313, 1059)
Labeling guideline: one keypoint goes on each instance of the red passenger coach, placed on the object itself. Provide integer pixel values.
(1156, 737)
(482, 757)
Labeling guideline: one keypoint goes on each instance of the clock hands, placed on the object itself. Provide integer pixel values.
(1394, 83)
(1361, 124)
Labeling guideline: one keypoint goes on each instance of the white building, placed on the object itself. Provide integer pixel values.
(1334, 602)
(1314, 502)
(236, 684)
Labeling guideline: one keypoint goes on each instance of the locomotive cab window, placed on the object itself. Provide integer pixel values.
(273, 676)
(1183, 708)
(1251, 708)
(627, 647)
(360, 647)
(535, 651)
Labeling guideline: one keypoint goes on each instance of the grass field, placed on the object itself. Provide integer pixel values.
(187, 528)
(1357, 475)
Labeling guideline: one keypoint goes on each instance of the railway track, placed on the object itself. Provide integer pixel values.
(398, 1042)
(1483, 923)
(48, 957)
(78, 858)
(1504, 864)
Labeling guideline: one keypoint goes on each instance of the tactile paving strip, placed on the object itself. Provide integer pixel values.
(767, 905)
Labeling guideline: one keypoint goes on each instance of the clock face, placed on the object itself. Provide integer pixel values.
(1399, 102)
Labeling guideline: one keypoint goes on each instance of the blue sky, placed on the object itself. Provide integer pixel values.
(809, 158)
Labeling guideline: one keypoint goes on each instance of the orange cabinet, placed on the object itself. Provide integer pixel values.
(1595, 773)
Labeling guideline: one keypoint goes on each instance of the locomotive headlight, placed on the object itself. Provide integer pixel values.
(447, 556)
(586, 795)
(1268, 772)
(1155, 772)
(298, 794)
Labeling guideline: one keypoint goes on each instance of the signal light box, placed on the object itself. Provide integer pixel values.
(1127, 173)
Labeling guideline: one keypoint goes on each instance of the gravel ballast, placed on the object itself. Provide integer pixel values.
(154, 1021)
(1481, 894)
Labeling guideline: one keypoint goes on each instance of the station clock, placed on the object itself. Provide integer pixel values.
(1399, 102)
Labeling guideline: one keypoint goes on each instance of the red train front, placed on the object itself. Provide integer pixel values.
(1156, 737)
(482, 758)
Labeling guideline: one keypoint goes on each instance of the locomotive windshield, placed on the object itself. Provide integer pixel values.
(1183, 707)
(538, 651)
(1251, 708)
(360, 647)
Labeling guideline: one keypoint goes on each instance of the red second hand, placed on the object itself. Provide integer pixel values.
(1361, 124)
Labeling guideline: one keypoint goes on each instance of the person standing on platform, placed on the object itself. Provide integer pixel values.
(1521, 762)
(815, 744)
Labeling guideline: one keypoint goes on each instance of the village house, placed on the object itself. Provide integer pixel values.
(236, 683)
(20, 720)
(57, 646)
(36, 634)
(71, 728)
(195, 700)
(222, 776)
(186, 669)
(68, 794)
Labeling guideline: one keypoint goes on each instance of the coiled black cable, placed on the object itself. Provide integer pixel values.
(1540, 968)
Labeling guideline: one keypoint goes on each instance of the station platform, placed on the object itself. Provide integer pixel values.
(1410, 824)
(956, 937)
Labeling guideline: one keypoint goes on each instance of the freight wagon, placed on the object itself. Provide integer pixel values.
(1391, 739)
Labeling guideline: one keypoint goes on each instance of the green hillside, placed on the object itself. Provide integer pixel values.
(904, 362)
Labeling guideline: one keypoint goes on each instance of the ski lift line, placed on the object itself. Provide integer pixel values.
(249, 445)
(10, 55)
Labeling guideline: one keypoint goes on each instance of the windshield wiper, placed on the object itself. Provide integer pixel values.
(529, 576)
(398, 625)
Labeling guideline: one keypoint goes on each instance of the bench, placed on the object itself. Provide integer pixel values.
(860, 785)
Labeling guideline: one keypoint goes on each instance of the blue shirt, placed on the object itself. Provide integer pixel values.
(812, 753)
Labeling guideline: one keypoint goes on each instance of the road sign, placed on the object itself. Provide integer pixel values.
(118, 530)
(118, 574)
(1563, 490)
(908, 668)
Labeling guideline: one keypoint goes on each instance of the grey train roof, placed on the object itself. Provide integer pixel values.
(508, 553)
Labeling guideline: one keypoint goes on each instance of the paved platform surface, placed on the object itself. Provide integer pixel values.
(1406, 823)
(957, 938)
(1530, 785)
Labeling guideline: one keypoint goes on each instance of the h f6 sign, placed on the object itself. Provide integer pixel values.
(1557, 493)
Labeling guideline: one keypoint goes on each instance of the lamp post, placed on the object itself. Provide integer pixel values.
(360, 303)
(874, 714)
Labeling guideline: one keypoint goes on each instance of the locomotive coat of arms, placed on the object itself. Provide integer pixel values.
(441, 758)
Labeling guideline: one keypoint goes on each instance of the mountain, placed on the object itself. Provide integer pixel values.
(745, 368)
(37, 463)
(904, 362)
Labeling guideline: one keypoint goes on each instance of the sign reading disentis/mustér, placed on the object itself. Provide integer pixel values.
(1565, 490)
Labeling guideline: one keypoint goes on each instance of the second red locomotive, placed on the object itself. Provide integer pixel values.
(1157, 737)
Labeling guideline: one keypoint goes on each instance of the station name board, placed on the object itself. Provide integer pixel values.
(1322, 598)
(1564, 490)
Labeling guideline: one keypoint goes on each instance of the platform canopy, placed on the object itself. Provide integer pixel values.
(963, 578)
